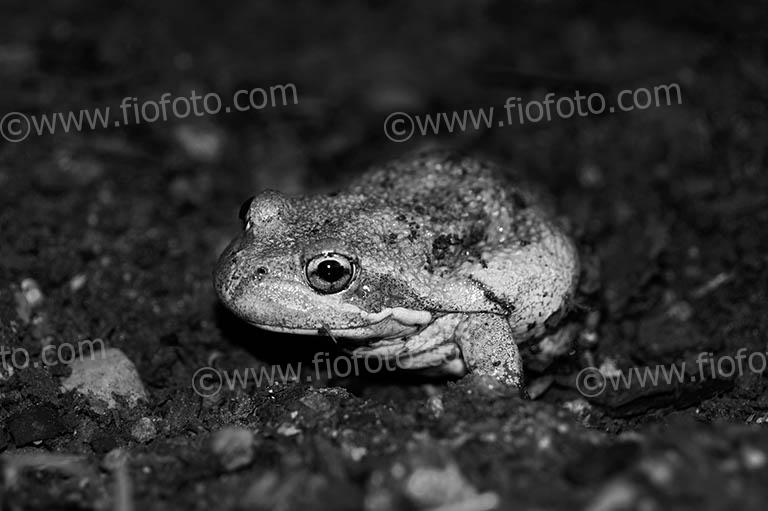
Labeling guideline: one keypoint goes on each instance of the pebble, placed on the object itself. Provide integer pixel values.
(615, 496)
(555, 345)
(114, 459)
(104, 441)
(578, 406)
(83, 170)
(201, 142)
(597, 463)
(436, 486)
(110, 372)
(753, 458)
(591, 176)
(262, 492)
(287, 429)
(659, 471)
(233, 446)
(77, 282)
(435, 406)
(681, 311)
(191, 190)
(144, 430)
(714, 283)
(316, 402)
(20, 462)
(425, 479)
(298, 489)
(32, 293)
(667, 335)
(355, 453)
(29, 298)
(539, 386)
(16, 57)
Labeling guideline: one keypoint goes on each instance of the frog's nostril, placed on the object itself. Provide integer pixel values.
(261, 271)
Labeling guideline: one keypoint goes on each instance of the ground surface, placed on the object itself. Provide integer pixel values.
(120, 229)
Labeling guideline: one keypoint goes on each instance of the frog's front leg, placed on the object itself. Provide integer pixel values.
(434, 348)
(484, 341)
(488, 348)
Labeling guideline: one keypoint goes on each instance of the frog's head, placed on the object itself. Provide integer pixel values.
(314, 266)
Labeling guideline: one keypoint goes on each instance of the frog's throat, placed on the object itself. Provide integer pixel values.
(389, 322)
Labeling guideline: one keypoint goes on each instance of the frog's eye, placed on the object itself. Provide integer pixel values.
(243, 213)
(330, 273)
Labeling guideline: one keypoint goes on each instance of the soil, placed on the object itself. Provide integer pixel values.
(120, 227)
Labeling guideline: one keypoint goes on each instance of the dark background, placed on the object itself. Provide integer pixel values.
(668, 206)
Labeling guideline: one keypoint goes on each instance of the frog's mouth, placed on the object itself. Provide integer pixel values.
(387, 324)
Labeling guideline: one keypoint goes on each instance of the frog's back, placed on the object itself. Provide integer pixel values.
(442, 183)
(484, 223)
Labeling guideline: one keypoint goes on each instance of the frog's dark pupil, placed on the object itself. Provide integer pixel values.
(244, 209)
(331, 270)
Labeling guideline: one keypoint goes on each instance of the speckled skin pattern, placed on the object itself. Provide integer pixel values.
(453, 262)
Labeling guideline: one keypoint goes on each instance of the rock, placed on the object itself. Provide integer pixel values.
(144, 430)
(36, 423)
(233, 446)
(110, 373)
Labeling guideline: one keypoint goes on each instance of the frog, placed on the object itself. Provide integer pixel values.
(442, 260)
